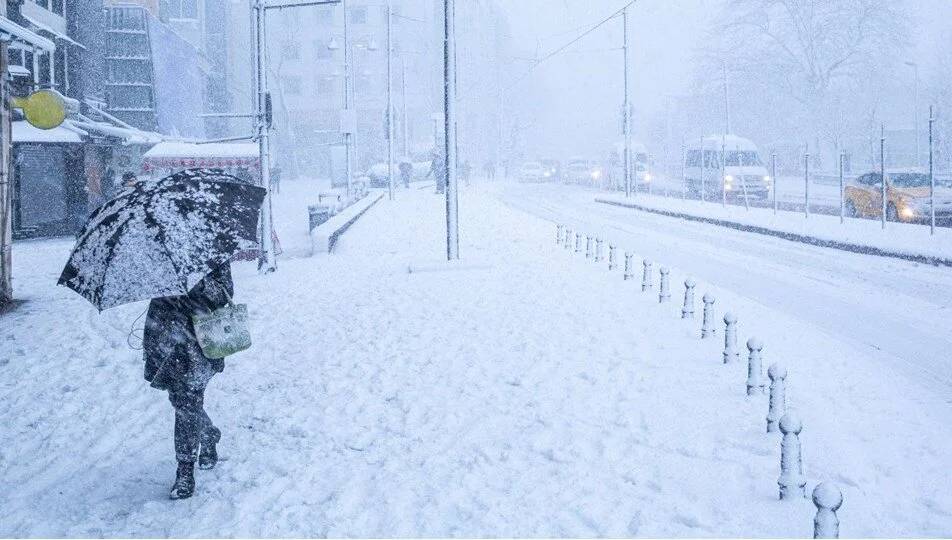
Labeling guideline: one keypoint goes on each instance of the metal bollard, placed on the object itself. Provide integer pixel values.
(664, 289)
(578, 243)
(730, 338)
(792, 482)
(646, 276)
(827, 498)
(755, 374)
(558, 234)
(628, 274)
(611, 257)
(707, 323)
(588, 247)
(687, 311)
(778, 395)
(568, 238)
(598, 250)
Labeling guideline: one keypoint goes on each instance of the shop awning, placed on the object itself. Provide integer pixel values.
(175, 154)
(128, 136)
(23, 132)
(17, 32)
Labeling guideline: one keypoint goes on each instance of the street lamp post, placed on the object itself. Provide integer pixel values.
(626, 113)
(390, 131)
(915, 68)
(266, 261)
(449, 139)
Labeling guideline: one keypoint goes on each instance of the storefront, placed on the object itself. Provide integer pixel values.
(239, 159)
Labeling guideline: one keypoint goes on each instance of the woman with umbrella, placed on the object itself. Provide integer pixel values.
(172, 241)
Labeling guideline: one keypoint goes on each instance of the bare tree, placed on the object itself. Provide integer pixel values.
(815, 67)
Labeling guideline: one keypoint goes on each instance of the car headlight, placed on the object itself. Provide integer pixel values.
(907, 212)
(728, 179)
(647, 177)
(767, 179)
(596, 175)
(547, 174)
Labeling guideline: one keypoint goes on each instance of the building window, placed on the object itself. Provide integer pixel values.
(292, 85)
(181, 9)
(321, 50)
(292, 50)
(358, 15)
(325, 16)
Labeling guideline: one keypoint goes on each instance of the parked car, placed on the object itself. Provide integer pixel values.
(907, 197)
(743, 171)
(531, 171)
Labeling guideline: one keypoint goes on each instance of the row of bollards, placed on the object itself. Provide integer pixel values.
(792, 483)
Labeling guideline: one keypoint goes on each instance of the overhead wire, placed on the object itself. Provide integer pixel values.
(575, 40)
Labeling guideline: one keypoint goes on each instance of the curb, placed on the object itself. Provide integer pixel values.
(793, 237)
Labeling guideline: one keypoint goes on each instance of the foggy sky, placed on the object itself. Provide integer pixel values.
(573, 101)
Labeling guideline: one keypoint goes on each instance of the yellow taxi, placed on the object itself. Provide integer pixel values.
(907, 197)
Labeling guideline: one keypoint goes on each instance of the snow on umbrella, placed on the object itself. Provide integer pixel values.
(161, 238)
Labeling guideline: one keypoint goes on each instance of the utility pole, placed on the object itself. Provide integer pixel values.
(403, 100)
(449, 103)
(390, 131)
(626, 113)
(6, 195)
(266, 261)
(350, 120)
(915, 67)
(262, 116)
(727, 100)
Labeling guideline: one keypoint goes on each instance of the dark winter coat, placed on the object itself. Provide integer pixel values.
(173, 357)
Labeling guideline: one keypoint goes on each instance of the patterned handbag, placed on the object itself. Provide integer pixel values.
(223, 332)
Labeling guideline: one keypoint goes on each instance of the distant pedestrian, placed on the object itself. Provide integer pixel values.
(438, 170)
(465, 170)
(174, 361)
(490, 170)
(406, 172)
(129, 179)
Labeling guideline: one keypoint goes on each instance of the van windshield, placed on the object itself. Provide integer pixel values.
(743, 158)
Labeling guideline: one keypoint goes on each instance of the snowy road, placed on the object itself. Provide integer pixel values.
(897, 311)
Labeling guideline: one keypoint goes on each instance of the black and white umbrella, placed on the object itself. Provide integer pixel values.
(161, 238)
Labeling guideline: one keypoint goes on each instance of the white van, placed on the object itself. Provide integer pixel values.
(742, 169)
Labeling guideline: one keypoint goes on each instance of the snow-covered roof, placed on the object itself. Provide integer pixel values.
(178, 149)
(730, 142)
(23, 132)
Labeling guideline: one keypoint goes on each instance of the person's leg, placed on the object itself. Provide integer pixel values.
(189, 420)
(209, 437)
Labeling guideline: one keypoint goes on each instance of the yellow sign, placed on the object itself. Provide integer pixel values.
(45, 109)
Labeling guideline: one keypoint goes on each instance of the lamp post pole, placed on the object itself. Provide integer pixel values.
(626, 112)
(390, 131)
(449, 139)
(266, 262)
(349, 139)
(915, 67)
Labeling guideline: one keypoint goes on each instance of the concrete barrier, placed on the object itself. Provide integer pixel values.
(325, 235)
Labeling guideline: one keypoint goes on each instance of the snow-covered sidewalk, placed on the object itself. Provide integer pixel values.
(533, 394)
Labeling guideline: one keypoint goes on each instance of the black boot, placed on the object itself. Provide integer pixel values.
(184, 485)
(208, 457)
